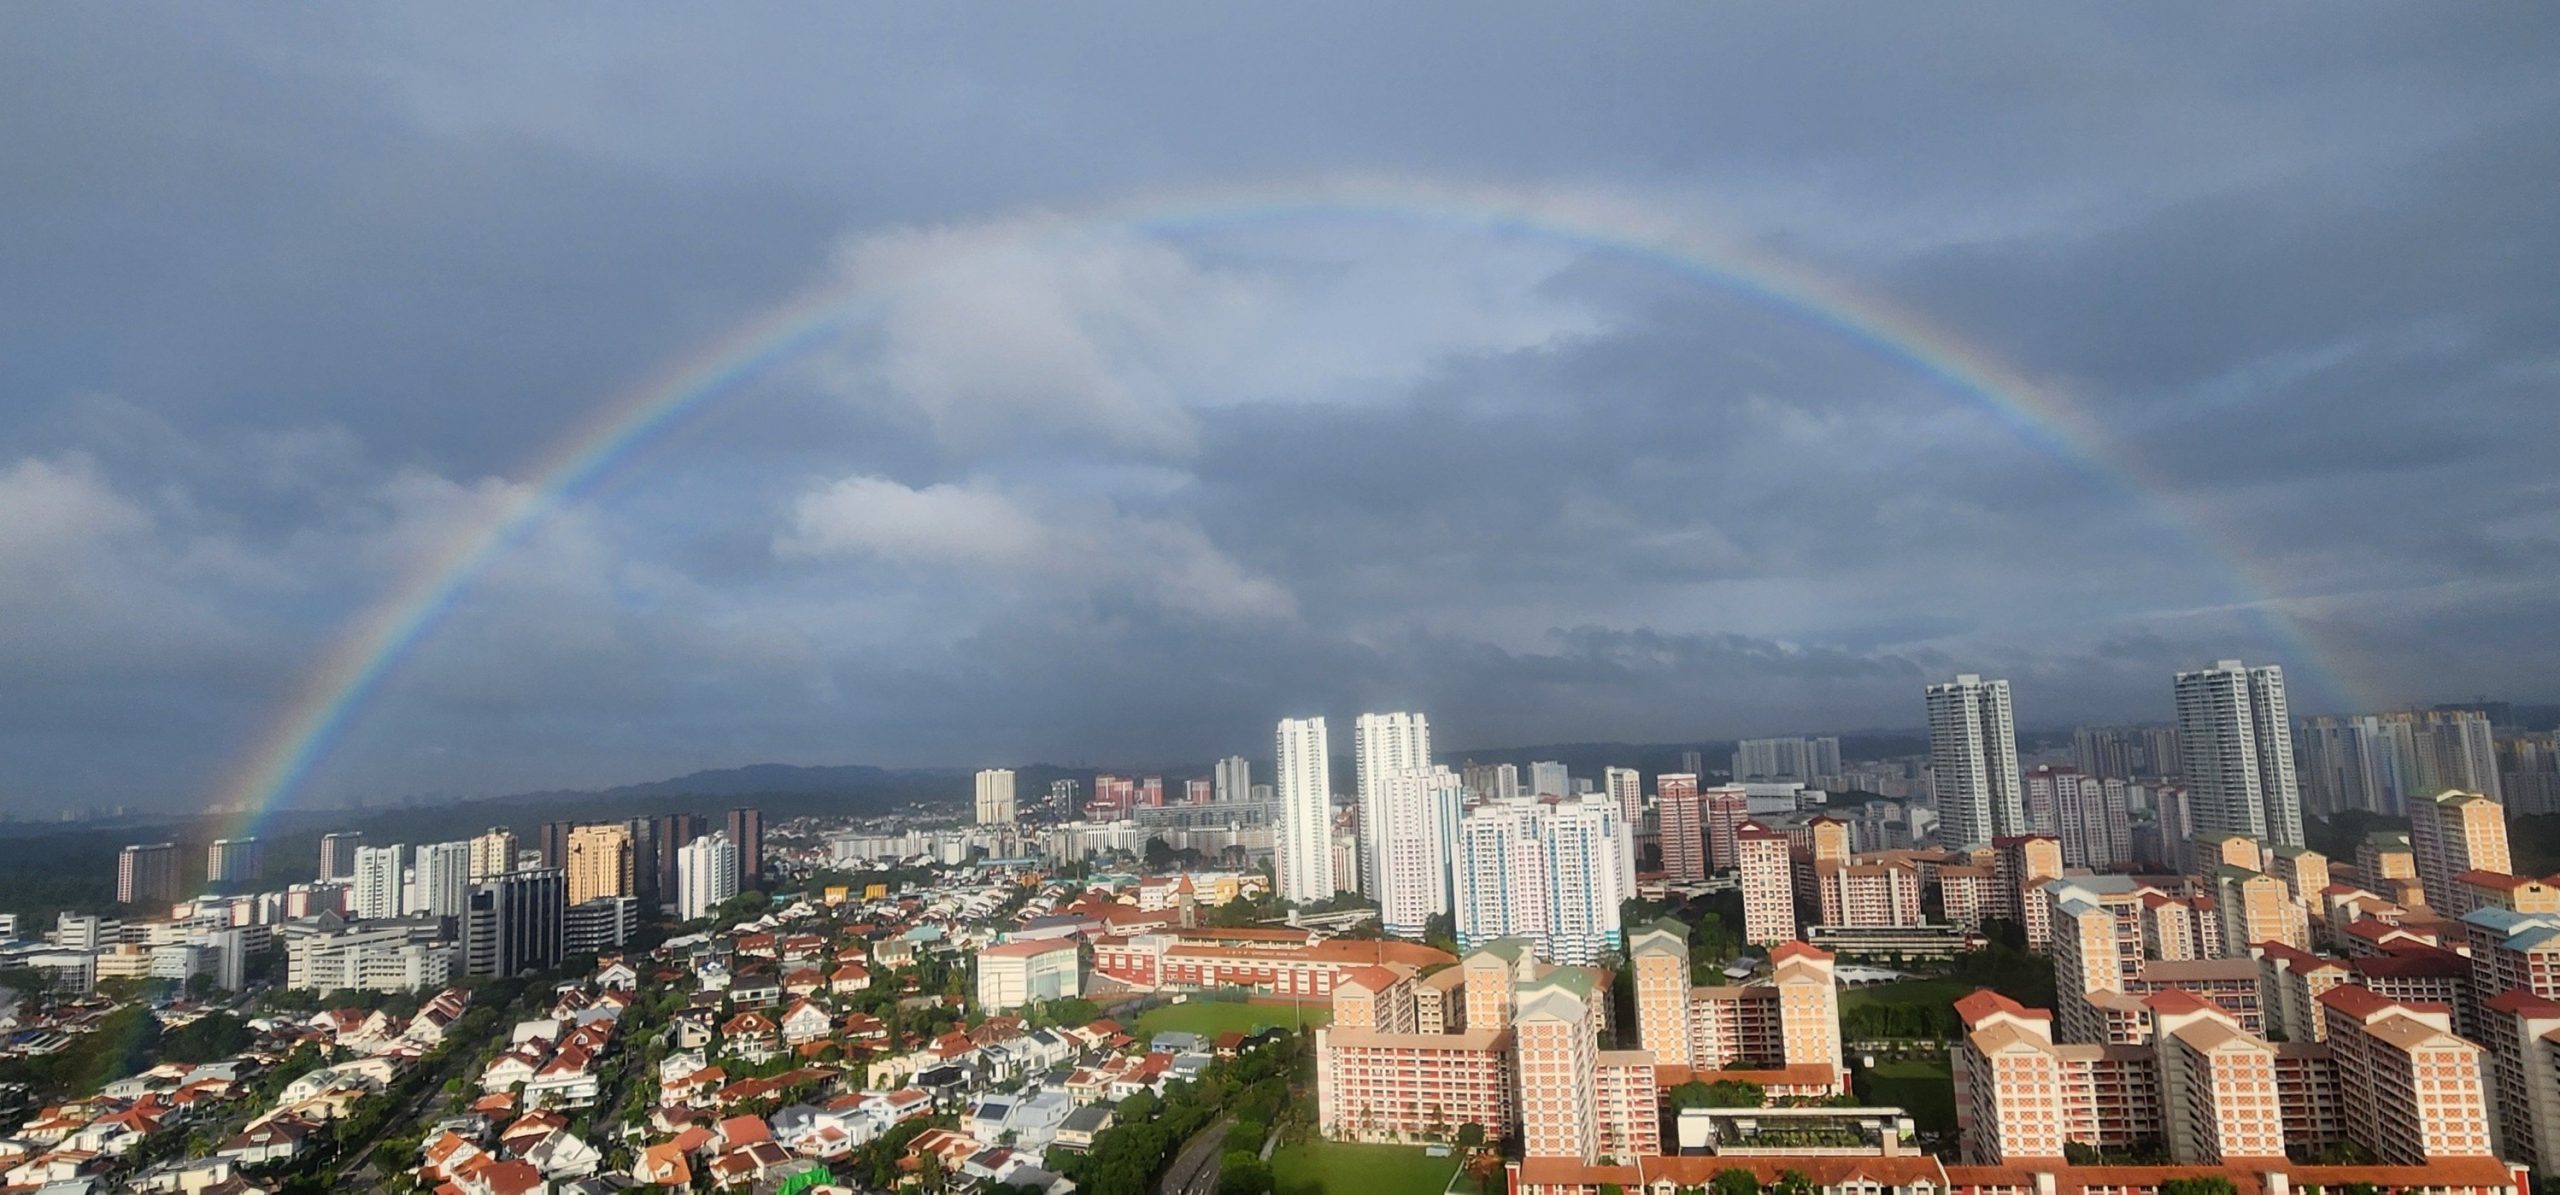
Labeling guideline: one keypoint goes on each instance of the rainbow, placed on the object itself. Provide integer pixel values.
(334, 694)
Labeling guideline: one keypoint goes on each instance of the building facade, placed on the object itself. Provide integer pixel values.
(2237, 736)
(1303, 853)
(1973, 753)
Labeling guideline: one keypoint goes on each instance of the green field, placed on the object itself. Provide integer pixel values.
(1924, 1089)
(1340, 1168)
(1908, 991)
(1210, 1018)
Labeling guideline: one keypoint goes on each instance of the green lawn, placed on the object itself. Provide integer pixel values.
(1340, 1168)
(1211, 1017)
(1908, 991)
(1924, 1089)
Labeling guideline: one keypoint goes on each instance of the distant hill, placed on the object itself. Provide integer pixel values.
(783, 778)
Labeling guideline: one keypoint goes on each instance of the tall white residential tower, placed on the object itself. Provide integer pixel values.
(1414, 835)
(1973, 750)
(1303, 853)
(995, 797)
(706, 874)
(1383, 745)
(2238, 741)
(378, 890)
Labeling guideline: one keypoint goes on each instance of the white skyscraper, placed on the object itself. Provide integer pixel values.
(1549, 779)
(377, 882)
(1626, 787)
(1554, 873)
(706, 875)
(995, 797)
(1414, 834)
(1303, 853)
(1973, 749)
(1383, 745)
(2238, 741)
(1235, 779)
(444, 879)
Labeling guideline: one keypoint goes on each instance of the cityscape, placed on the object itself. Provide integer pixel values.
(2115, 963)
(1173, 597)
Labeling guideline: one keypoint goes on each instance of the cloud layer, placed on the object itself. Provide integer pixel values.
(1114, 458)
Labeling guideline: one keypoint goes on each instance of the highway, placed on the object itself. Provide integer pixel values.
(1195, 1170)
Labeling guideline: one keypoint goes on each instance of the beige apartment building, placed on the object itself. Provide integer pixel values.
(599, 861)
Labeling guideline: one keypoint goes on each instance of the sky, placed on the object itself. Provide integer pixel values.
(1184, 380)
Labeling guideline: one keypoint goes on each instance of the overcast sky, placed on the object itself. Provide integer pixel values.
(295, 297)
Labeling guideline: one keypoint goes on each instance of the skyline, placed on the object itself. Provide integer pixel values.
(391, 409)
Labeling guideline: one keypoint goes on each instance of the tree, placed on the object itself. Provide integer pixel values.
(1471, 1135)
(1792, 1182)
(205, 1039)
(1723, 1093)
(1734, 1181)
(2208, 1184)
(1071, 1010)
(1243, 1172)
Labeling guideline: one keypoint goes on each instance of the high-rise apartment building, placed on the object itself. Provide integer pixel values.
(746, 830)
(443, 884)
(674, 832)
(1199, 790)
(2454, 832)
(1973, 751)
(493, 854)
(147, 874)
(1548, 778)
(1626, 787)
(1303, 851)
(2090, 815)
(1413, 838)
(232, 860)
(706, 875)
(1113, 797)
(1382, 745)
(1552, 872)
(378, 890)
(1681, 815)
(600, 862)
(553, 839)
(644, 863)
(338, 854)
(1724, 808)
(515, 921)
(1761, 856)
(1235, 779)
(995, 797)
(2386, 763)
(1558, 1052)
(1801, 760)
(2238, 739)
(2418, 1092)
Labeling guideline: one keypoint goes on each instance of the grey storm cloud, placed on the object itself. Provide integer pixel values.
(294, 300)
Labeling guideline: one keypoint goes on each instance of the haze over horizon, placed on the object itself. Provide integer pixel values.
(1212, 365)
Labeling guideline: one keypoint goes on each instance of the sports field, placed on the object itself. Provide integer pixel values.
(1926, 1090)
(1210, 1018)
(1342, 1168)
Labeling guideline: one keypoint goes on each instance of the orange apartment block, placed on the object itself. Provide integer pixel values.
(2412, 1091)
(1764, 863)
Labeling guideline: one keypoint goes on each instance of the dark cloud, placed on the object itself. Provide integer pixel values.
(296, 299)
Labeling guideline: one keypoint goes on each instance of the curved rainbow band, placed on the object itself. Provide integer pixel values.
(333, 694)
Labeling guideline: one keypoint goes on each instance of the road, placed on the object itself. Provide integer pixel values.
(1195, 1170)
